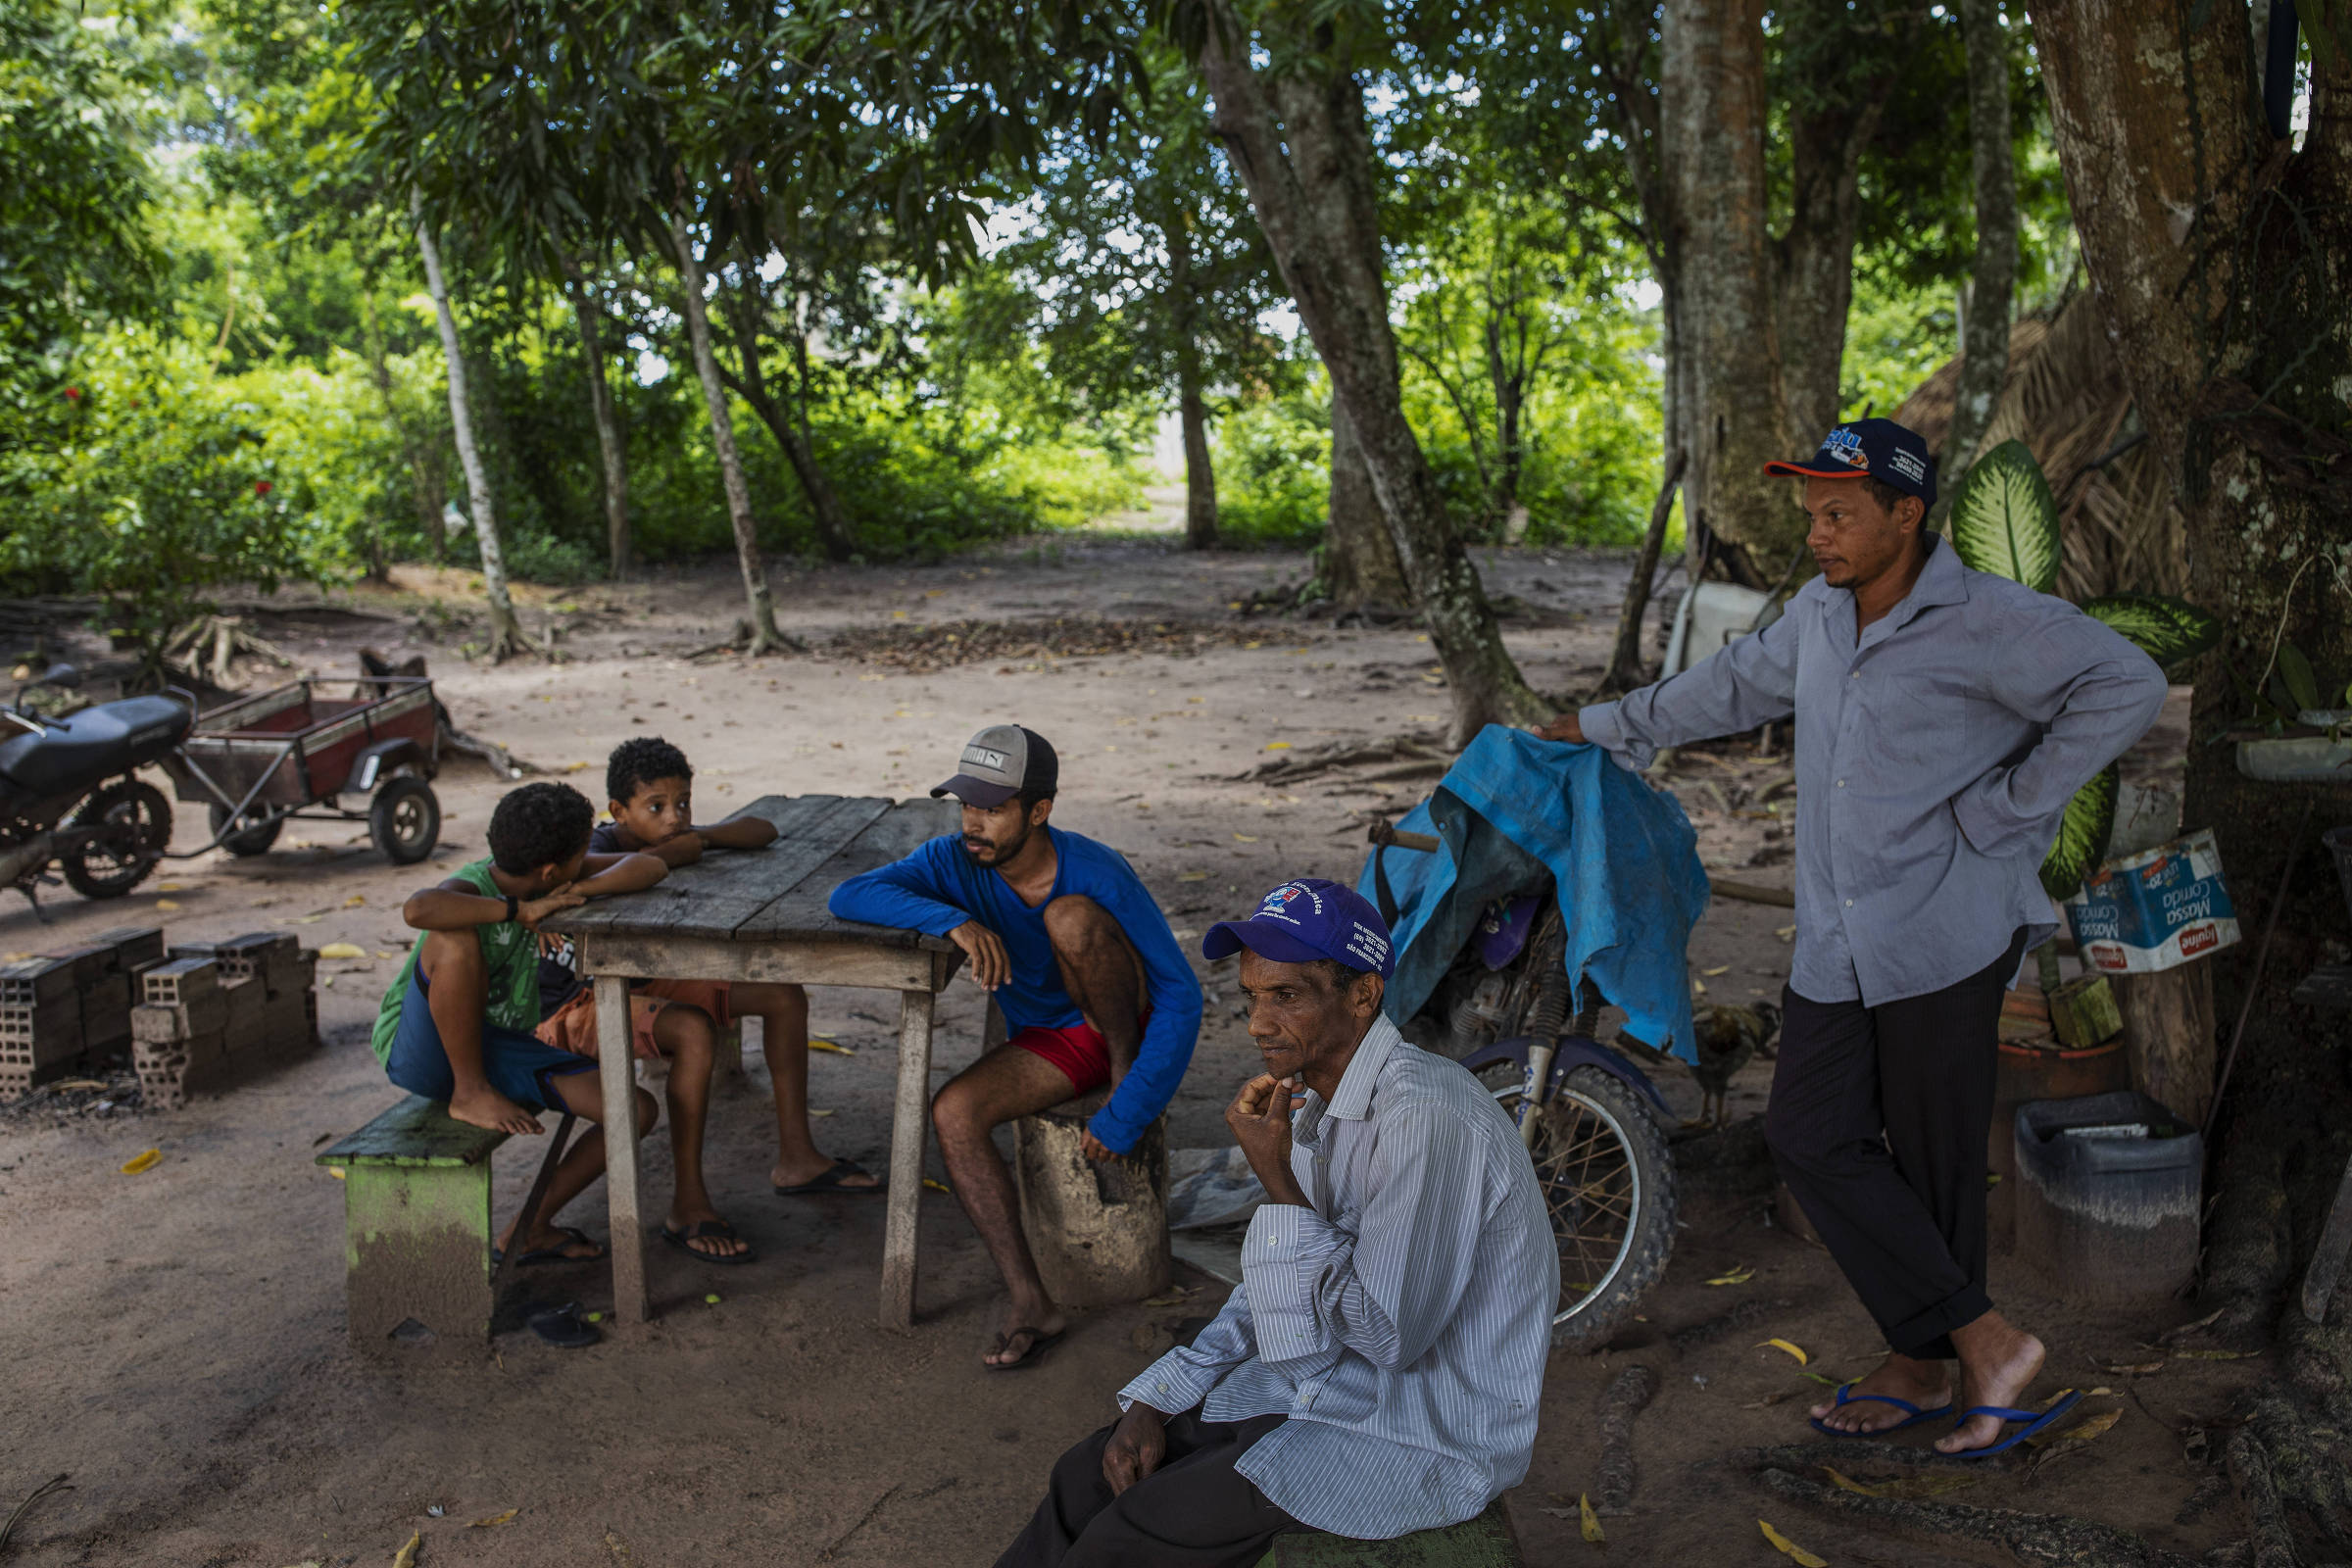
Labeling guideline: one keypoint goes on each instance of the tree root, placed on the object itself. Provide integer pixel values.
(207, 649)
(1626, 1394)
(1291, 766)
(1856, 1454)
(2033, 1539)
(751, 642)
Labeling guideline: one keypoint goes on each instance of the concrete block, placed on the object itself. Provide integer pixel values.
(92, 961)
(162, 1023)
(33, 982)
(134, 946)
(247, 1003)
(180, 980)
(1100, 1233)
(35, 1035)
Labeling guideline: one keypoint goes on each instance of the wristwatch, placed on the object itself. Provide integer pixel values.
(514, 908)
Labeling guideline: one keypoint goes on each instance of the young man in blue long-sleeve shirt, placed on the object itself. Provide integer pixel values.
(1093, 988)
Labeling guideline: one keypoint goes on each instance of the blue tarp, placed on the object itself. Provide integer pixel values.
(1621, 855)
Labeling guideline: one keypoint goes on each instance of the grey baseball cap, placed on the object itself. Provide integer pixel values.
(1000, 763)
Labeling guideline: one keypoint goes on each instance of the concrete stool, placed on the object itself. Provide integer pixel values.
(416, 1227)
(1100, 1233)
(1481, 1543)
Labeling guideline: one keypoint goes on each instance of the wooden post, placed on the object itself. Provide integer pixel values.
(910, 1121)
(615, 1058)
(2169, 1031)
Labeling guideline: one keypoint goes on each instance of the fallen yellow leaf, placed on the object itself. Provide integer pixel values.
(167, 903)
(406, 1556)
(342, 949)
(820, 1113)
(937, 1187)
(358, 899)
(1245, 837)
(1590, 1522)
(140, 1162)
(169, 887)
(576, 768)
(1790, 1549)
(336, 1171)
(710, 1300)
(828, 1045)
(1721, 968)
(2080, 1433)
(2217, 1355)
(1901, 1486)
(1783, 1345)
(494, 1521)
(1739, 1274)
(1192, 876)
(1278, 746)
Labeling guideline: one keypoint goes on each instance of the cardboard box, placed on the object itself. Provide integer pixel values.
(2155, 910)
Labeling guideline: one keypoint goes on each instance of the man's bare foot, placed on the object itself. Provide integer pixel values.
(1023, 1327)
(711, 1243)
(487, 1107)
(802, 1170)
(1998, 1362)
(544, 1237)
(1926, 1383)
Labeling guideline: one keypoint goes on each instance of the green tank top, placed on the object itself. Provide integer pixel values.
(511, 952)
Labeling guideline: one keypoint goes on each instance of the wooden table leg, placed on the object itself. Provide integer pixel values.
(615, 1060)
(910, 1125)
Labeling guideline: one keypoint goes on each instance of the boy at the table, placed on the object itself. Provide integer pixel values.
(458, 1023)
(1091, 984)
(649, 786)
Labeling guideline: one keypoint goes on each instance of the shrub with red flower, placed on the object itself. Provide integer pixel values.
(72, 394)
(261, 487)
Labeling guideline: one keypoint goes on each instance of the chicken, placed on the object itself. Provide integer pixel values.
(1728, 1036)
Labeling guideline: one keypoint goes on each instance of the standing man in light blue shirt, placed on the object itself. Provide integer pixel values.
(1944, 719)
(1378, 1368)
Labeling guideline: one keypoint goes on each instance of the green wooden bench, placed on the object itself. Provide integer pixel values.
(1485, 1542)
(417, 1225)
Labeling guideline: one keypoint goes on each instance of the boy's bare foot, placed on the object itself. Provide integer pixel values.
(561, 1240)
(1926, 1383)
(1023, 1327)
(1998, 1362)
(800, 1170)
(716, 1239)
(487, 1107)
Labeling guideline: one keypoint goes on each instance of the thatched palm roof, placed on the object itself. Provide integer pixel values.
(2065, 398)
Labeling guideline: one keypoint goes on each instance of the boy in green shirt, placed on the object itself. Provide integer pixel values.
(457, 1024)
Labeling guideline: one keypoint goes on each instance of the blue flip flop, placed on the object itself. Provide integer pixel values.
(1913, 1415)
(2035, 1421)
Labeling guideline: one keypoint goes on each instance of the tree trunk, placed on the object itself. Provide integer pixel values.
(1627, 669)
(507, 636)
(2169, 1035)
(791, 434)
(1298, 139)
(1359, 557)
(1815, 256)
(2222, 259)
(608, 423)
(1507, 378)
(1984, 350)
(1191, 414)
(424, 474)
(1712, 118)
(764, 636)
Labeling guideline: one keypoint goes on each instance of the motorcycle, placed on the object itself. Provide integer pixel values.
(69, 794)
(1593, 1123)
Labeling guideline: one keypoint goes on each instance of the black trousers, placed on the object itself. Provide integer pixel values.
(1192, 1512)
(1878, 1124)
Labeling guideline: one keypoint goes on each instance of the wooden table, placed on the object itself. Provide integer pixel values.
(759, 914)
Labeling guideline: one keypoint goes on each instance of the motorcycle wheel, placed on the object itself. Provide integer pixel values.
(246, 841)
(1607, 1179)
(405, 819)
(136, 828)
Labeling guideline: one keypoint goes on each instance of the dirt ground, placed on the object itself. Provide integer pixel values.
(175, 1340)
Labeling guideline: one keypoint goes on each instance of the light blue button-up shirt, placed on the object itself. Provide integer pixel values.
(1934, 756)
(1401, 1323)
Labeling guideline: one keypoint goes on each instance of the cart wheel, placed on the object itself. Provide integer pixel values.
(135, 828)
(253, 840)
(405, 819)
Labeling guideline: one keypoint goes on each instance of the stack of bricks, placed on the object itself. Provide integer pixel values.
(218, 1011)
(64, 1011)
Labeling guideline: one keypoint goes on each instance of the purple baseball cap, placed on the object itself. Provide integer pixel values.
(1305, 919)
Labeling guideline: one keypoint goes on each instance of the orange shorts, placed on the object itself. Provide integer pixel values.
(574, 1027)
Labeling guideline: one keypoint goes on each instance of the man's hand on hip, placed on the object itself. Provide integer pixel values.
(990, 965)
(1137, 1445)
(1260, 1119)
(1565, 727)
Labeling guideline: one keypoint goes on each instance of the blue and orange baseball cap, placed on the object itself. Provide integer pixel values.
(1305, 919)
(1874, 449)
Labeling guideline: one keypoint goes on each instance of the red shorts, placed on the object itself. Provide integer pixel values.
(1083, 1055)
(573, 1026)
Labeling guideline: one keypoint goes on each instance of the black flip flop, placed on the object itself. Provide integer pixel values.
(707, 1229)
(560, 1327)
(555, 1254)
(1039, 1341)
(830, 1183)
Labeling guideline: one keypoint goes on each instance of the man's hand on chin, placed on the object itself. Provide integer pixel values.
(1137, 1445)
(1260, 1119)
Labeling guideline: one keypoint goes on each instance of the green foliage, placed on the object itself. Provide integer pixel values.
(2083, 834)
(1273, 463)
(2170, 632)
(166, 490)
(2005, 521)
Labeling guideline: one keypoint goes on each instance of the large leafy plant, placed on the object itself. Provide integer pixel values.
(2005, 521)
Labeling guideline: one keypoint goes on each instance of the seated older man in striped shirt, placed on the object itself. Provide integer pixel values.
(1378, 1369)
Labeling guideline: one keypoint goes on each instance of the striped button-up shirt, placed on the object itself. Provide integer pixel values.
(1935, 752)
(1401, 1323)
